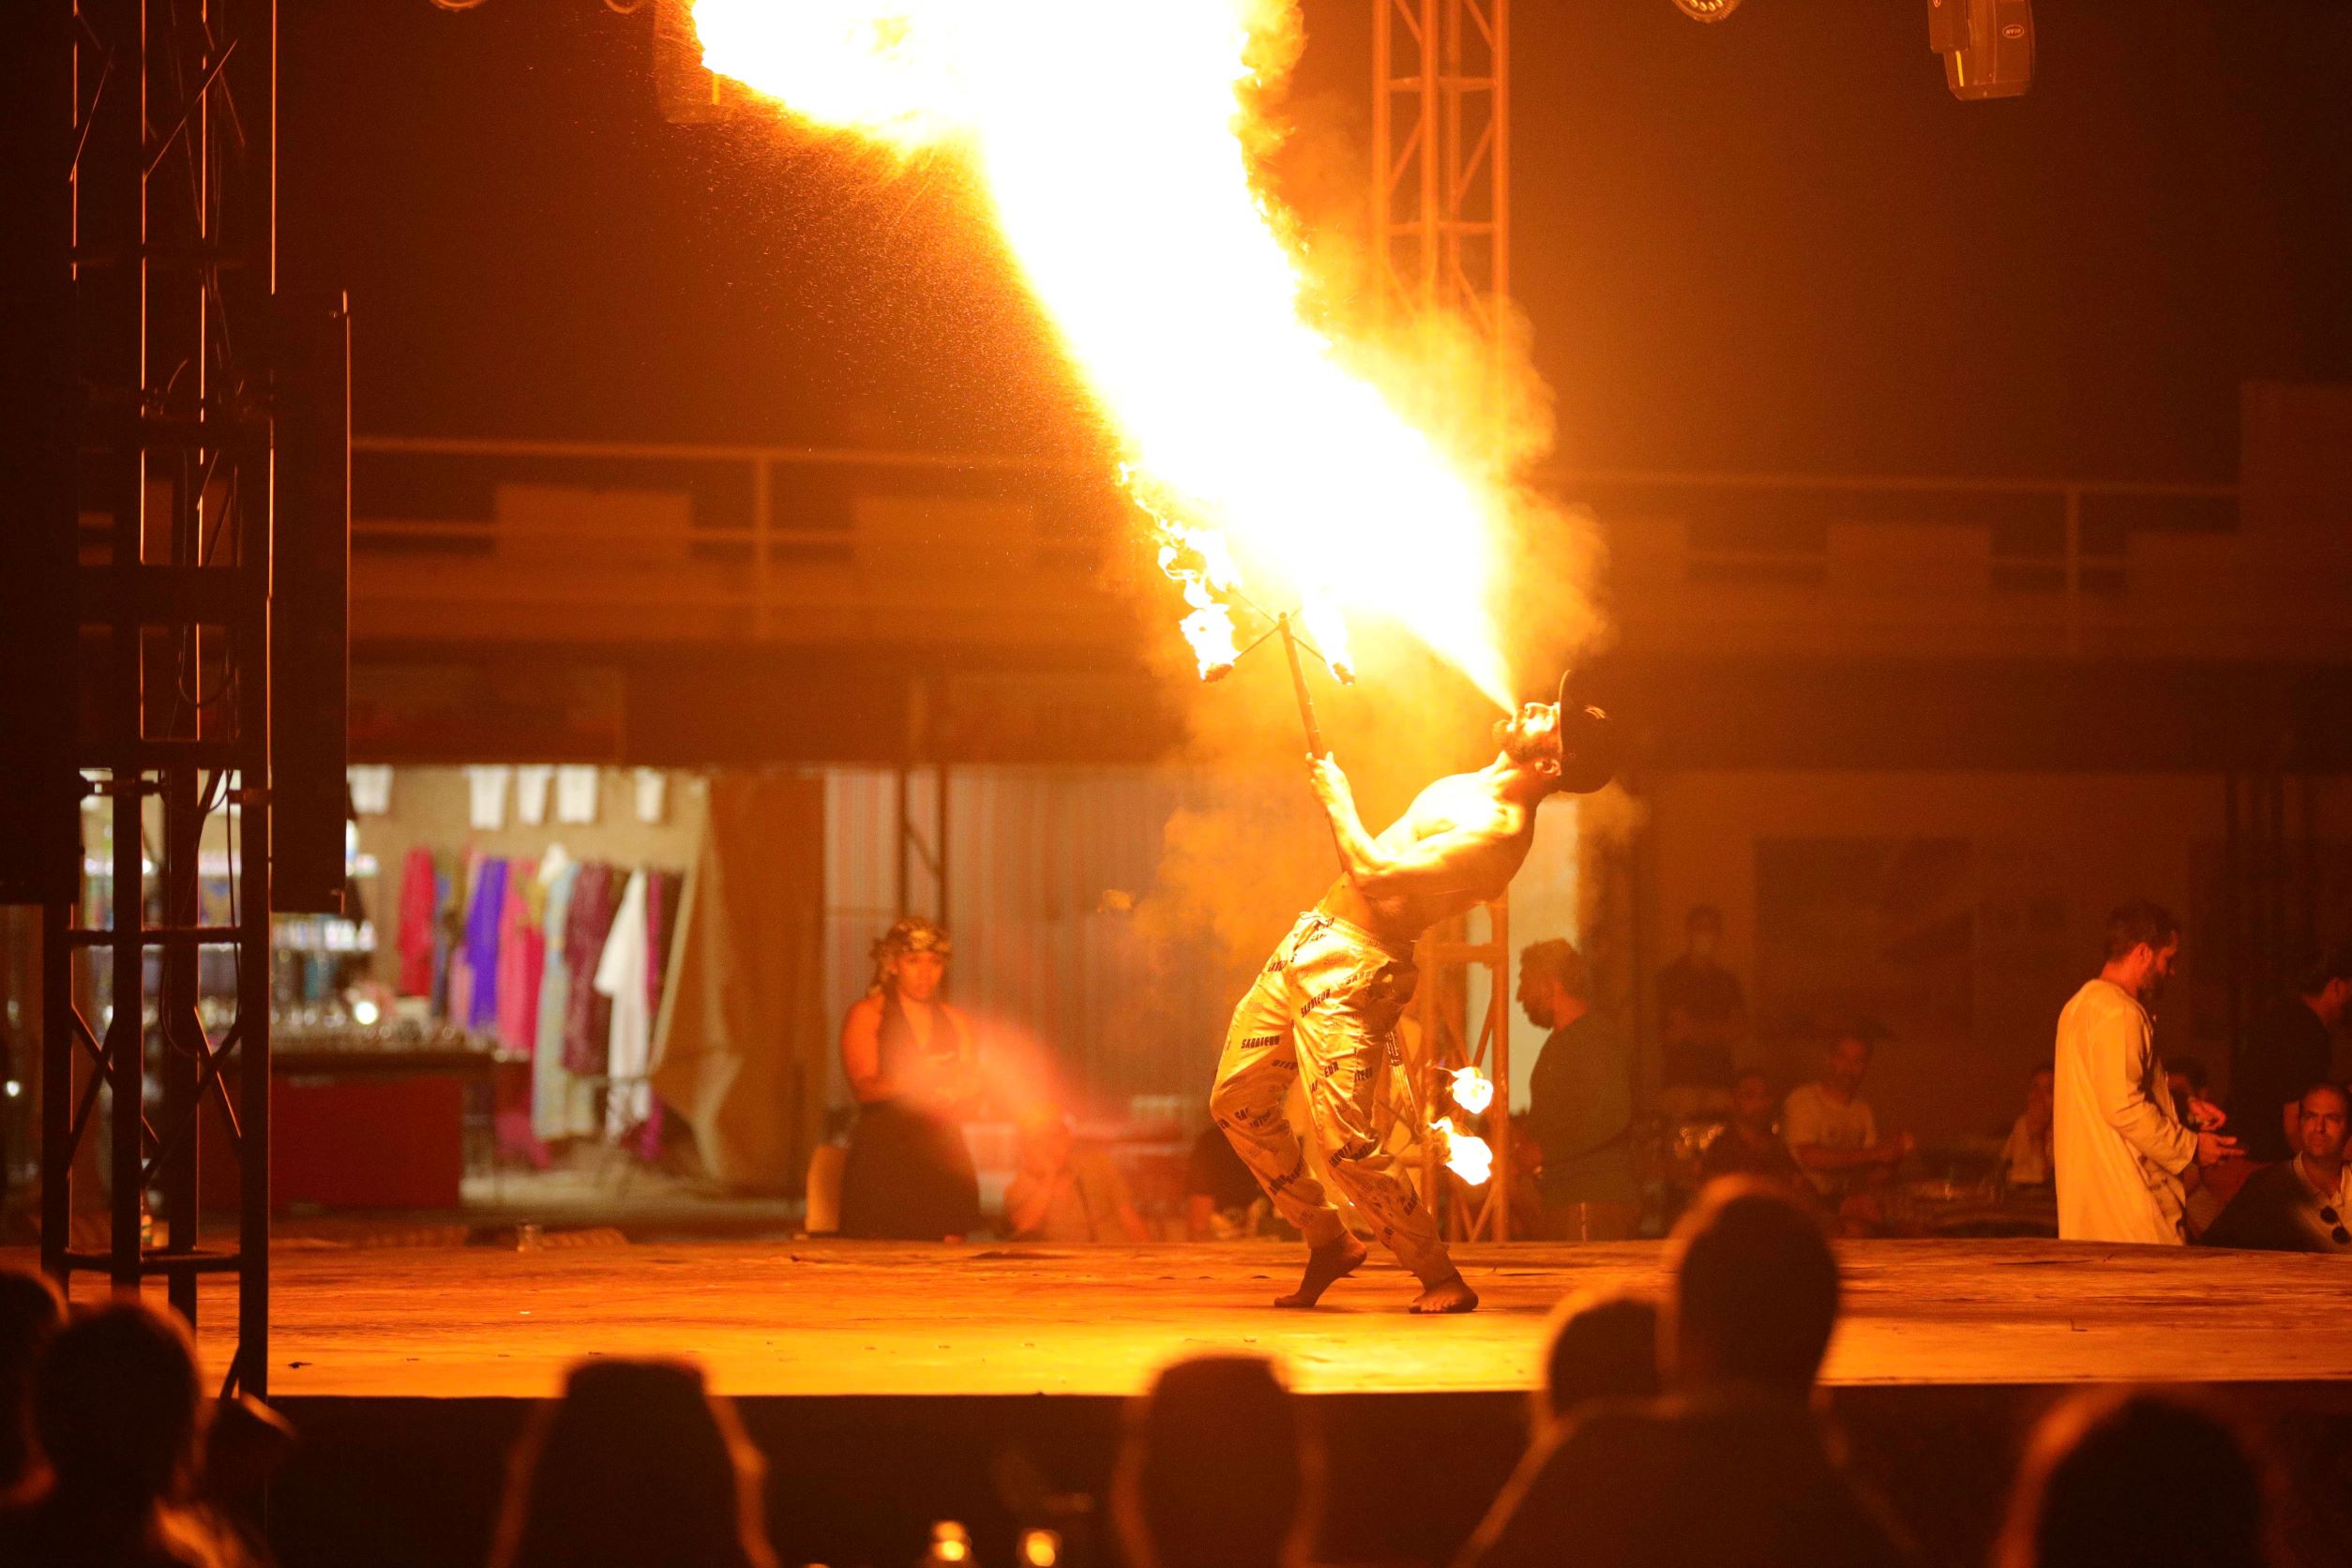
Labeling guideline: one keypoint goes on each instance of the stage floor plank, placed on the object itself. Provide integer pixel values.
(830, 1317)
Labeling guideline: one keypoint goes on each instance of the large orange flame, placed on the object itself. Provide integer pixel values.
(1110, 137)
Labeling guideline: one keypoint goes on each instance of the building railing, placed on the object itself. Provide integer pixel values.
(593, 539)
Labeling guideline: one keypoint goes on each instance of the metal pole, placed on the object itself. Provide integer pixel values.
(125, 1030)
(1498, 1061)
(179, 1065)
(60, 1050)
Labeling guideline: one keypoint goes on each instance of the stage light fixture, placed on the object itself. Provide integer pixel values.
(1707, 10)
(1987, 45)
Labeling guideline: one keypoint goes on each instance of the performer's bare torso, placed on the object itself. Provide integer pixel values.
(1502, 830)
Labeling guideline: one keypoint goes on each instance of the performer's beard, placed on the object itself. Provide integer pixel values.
(1522, 747)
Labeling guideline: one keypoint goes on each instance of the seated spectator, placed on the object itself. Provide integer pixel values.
(1750, 1143)
(1729, 1469)
(30, 1312)
(2289, 1045)
(119, 1416)
(1220, 1468)
(636, 1464)
(1065, 1191)
(2302, 1205)
(1601, 1348)
(1580, 1102)
(1221, 1196)
(2145, 1479)
(1828, 1126)
(2025, 1160)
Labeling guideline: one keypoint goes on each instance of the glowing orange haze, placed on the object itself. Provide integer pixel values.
(1108, 136)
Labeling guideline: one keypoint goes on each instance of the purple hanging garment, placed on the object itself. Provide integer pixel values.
(481, 944)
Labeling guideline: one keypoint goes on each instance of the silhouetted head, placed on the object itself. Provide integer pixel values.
(1221, 1469)
(2127, 1477)
(2040, 1095)
(1755, 1290)
(1046, 1138)
(1602, 1348)
(636, 1463)
(1552, 973)
(30, 1312)
(1847, 1064)
(1755, 1103)
(117, 1405)
(2143, 947)
(2325, 984)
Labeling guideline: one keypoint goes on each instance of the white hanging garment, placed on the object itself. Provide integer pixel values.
(531, 790)
(371, 787)
(576, 794)
(486, 789)
(620, 975)
(653, 794)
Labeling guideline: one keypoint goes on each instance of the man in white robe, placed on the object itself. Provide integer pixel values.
(2123, 1148)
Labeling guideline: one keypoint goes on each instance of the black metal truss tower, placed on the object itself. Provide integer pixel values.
(174, 339)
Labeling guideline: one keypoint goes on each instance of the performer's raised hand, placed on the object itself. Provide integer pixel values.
(1328, 780)
(2213, 1148)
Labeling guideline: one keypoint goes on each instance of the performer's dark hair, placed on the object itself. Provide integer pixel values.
(2139, 920)
(1756, 1289)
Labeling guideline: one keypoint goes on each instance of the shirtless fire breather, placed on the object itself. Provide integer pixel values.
(1325, 1008)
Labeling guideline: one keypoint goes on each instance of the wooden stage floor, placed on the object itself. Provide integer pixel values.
(835, 1319)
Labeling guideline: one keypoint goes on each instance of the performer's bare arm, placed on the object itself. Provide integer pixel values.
(1454, 859)
(860, 1050)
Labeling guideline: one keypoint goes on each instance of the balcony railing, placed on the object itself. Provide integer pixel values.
(610, 542)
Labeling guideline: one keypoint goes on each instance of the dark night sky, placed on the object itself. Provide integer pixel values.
(1777, 243)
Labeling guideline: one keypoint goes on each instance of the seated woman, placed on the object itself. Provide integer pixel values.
(912, 1065)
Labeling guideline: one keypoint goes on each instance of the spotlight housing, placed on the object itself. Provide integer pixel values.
(1987, 45)
(1707, 10)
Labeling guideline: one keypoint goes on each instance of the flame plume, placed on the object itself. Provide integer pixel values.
(1467, 1154)
(1112, 140)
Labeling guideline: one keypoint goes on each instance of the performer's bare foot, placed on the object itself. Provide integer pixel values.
(1450, 1294)
(1325, 1265)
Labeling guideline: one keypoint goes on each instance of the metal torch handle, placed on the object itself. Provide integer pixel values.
(1315, 746)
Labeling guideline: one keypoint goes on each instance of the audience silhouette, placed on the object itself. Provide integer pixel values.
(1220, 1468)
(1602, 1348)
(1730, 1468)
(2128, 1476)
(30, 1311)
(636, 1463)
(120, 1418)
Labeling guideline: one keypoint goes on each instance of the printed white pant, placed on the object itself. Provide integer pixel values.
(1324, 1011)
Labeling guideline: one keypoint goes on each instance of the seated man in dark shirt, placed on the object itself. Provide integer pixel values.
(2300, 1206)
(1750, 1143)
(1730, 1470)
(2290, 1046)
